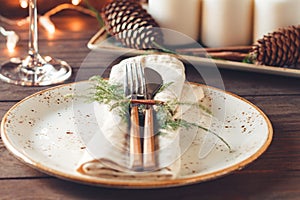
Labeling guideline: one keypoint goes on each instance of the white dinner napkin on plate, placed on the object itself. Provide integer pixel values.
(108, 150)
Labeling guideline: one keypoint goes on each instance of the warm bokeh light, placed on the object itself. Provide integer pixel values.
(45, 21)
(12, 39)
(47, 24)
(76, 26)
(23, 3)
(10, 49)
(76, 2)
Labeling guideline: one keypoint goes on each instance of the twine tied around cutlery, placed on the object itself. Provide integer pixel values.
(146, 102)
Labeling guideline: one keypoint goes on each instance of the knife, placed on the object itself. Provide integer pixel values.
(153, 82)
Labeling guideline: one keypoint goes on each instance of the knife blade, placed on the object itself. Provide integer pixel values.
(153, 82)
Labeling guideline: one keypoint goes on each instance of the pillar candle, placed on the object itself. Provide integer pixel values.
(178, 15)
(226, 22)
(270, 15)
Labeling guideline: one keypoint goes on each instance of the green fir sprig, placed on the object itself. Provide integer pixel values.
(113, 95)
(109, 94)
(96, 12)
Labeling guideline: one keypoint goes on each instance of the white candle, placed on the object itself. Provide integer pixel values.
(270, 15)
(226, 22)
(178, 15)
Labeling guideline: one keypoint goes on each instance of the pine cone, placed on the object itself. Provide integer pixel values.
(131, 24)
(279, 48)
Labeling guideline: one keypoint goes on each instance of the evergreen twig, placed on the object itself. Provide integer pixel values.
(113, 95)
(97, 13)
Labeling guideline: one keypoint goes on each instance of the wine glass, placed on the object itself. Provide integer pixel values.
(34, 70)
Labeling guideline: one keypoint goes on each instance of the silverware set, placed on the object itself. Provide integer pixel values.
(141, 83)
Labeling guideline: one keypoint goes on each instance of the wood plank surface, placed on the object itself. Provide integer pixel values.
(238, 186)
(275, 175)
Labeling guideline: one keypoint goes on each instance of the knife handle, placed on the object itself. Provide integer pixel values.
(149, 145)
(136, 159)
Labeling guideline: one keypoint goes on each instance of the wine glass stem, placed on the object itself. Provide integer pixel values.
(33, 32)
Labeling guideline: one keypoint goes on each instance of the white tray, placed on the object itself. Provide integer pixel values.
(99, 42)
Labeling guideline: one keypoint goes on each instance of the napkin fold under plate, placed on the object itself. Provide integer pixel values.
(108, 149)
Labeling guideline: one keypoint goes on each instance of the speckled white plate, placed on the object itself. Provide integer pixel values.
(42, 131)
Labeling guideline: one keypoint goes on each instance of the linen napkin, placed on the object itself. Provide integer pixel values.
(108, 150)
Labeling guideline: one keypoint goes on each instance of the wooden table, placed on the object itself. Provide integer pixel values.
(275, 175)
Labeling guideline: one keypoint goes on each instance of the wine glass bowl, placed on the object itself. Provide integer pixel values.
(39, 72)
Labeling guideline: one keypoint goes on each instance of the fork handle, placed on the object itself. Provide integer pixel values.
(136, 160)
(149, 146)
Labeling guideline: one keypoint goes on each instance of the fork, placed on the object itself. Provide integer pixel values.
(134, 89)
(149, 83)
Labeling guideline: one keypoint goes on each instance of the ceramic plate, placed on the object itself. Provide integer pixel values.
(100, 42)
(42, 131)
